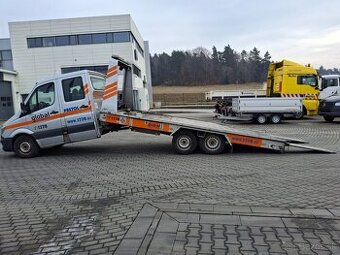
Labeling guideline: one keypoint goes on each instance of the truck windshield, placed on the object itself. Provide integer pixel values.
(307, 80)
(328, 82)
(97, 83)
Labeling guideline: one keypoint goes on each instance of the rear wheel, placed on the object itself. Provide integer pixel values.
(184, 142)
(261, 119)
(25, 147)
(300, 115)
(212, 144)
(275, 118)
(328, 118)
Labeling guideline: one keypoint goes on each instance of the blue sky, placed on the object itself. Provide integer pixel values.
(305, 31)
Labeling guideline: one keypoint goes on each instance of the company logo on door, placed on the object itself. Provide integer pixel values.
(71, 109)
(40, 116)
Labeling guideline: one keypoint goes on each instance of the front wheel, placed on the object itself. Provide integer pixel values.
(184, 142)
(25, 147)
(328, 118)
(212, 144)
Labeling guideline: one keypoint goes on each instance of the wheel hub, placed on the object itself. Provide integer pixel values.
(25, 147)
(212, 143)
(184, 142)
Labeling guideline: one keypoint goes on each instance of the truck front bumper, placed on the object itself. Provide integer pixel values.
(330, 114)
(7, 144)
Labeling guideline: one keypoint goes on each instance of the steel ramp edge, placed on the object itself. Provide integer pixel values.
(311, 148)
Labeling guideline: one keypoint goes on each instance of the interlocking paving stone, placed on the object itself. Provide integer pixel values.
(221, 234)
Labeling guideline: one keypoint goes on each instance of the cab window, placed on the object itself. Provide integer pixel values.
(42, 97)
(73, 89)
(97, 83)
(307, 80)
(328, 83)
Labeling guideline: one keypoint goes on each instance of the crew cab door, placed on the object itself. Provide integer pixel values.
(79, 120)
(43, 116)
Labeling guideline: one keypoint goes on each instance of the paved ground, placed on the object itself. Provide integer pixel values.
(82, 198)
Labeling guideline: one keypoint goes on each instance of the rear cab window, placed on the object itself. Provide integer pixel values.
(97, 83)
(73, 89)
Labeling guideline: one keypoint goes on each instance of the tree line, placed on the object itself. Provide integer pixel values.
(323, 71)
(201, 66)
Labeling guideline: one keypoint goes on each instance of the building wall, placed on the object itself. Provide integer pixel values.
(33, 64)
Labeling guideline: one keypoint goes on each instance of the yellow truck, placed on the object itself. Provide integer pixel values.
(290, 79)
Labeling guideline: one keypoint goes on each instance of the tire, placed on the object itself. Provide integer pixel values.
(25, 147)
(184, 142)
(212, 144)
(275, 118)
(328, 118)
(301, 115)
(261, 119)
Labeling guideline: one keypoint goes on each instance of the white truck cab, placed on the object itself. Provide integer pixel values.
(329, 85)
(59, 110)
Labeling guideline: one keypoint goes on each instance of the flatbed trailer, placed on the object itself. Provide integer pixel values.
(262, 110)
(169, 125)
(74, 107)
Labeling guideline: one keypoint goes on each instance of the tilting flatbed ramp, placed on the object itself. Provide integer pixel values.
(169, 125)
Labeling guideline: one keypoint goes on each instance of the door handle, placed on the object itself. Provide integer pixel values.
(53, 112)
(83, 106)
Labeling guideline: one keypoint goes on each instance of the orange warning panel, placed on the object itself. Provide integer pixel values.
(117, 120)
(138, 123)
(245, 140)
(150, 125)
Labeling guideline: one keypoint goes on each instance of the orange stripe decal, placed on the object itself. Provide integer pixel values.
(110, 85)
(109, 95)
(107, 91)
(111, 74)
(53, 117)
(245, 140)
(112, 68)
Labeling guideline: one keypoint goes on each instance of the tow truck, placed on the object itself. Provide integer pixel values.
(84, 105)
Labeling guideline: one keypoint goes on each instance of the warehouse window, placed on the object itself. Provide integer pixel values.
(62, 40)
(73, 40)
(99, 38)
(121, 37)
(101, 69)
(109, 37)
(48, 41)
(6, 55)
(81, 39)
(136, 70)
(135, 54)
(84, 39)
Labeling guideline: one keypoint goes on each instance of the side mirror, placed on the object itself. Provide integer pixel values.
(24, 109)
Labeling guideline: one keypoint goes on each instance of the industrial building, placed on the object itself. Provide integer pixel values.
(39, 49)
